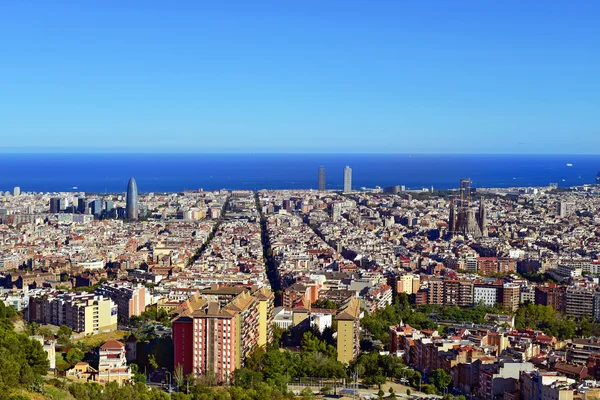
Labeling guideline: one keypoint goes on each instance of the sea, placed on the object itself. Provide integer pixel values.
(109, 173)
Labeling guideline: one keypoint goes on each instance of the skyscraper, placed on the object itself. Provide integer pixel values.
(347, 180)
(16, 191)
(132, 208)
(322, 181)
(54, 205)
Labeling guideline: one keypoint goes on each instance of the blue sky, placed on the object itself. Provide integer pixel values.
(300, 76)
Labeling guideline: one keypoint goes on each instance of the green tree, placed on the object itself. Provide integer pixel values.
(326, 390)
(33, 328)
(64, 331)
(440, 379)
(74, 356)
(178, 376)
(307, 394)
(429, 389)
(152, 362)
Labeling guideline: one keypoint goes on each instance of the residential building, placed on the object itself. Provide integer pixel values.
(131, 299)
(112, 364)
(84, 313)
(214, 338)
(348, 333)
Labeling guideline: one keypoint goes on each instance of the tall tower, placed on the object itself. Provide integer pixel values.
(482, 218)
(452, 218)
(132, 208)
(465, 192)
(347, 180)
(17, 191)
(322, 179)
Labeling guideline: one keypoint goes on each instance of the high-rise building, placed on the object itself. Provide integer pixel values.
(131, 299)
(81, 205)
(598, 179)
(322, 177)
(96, 206)
(214, 335)
(348, 338)
(347, 180)
(109, 205)
(511, 295)
(54, 205)
(16, 191)
(565, 209)
(132, 206)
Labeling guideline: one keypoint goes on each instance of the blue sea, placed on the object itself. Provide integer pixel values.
(102, 173)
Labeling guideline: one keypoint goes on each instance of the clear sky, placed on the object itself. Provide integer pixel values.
(424, 76)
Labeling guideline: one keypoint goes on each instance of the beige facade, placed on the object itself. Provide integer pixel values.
(348, 334)
(85, 313)
(408, 283)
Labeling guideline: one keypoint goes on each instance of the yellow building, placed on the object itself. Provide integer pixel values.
(100, 315)
(265, 315)
(82, 372)
(348, 331)
(408, 283)
(85, 313)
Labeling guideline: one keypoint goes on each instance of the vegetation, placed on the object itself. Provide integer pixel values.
(375, 369)
(22, 361)
(152, 314)
(378, 323)
(74, 356)
(440, 379)
(458, 314)
(544, 318)
(327, 304)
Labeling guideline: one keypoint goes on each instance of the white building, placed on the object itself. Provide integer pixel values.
(112, 366)
(485, 295)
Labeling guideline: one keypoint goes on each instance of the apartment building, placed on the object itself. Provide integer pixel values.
(551, 295)
(131, 299)
(85, 313)
(210, 337)
(511, 295)
(408, 283)
(582, 302)
(458, 292)
(348, 338)
(485, 294)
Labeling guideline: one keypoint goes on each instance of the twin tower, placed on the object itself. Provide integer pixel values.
(347, 179)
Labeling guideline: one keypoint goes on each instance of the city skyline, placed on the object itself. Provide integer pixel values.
(419, 77)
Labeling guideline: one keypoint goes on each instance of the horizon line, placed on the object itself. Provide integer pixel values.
(171, 152)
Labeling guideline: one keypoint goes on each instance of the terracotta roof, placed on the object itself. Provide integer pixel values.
(112, 345)
(350, 310)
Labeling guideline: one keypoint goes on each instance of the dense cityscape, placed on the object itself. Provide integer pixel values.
(488, 293)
